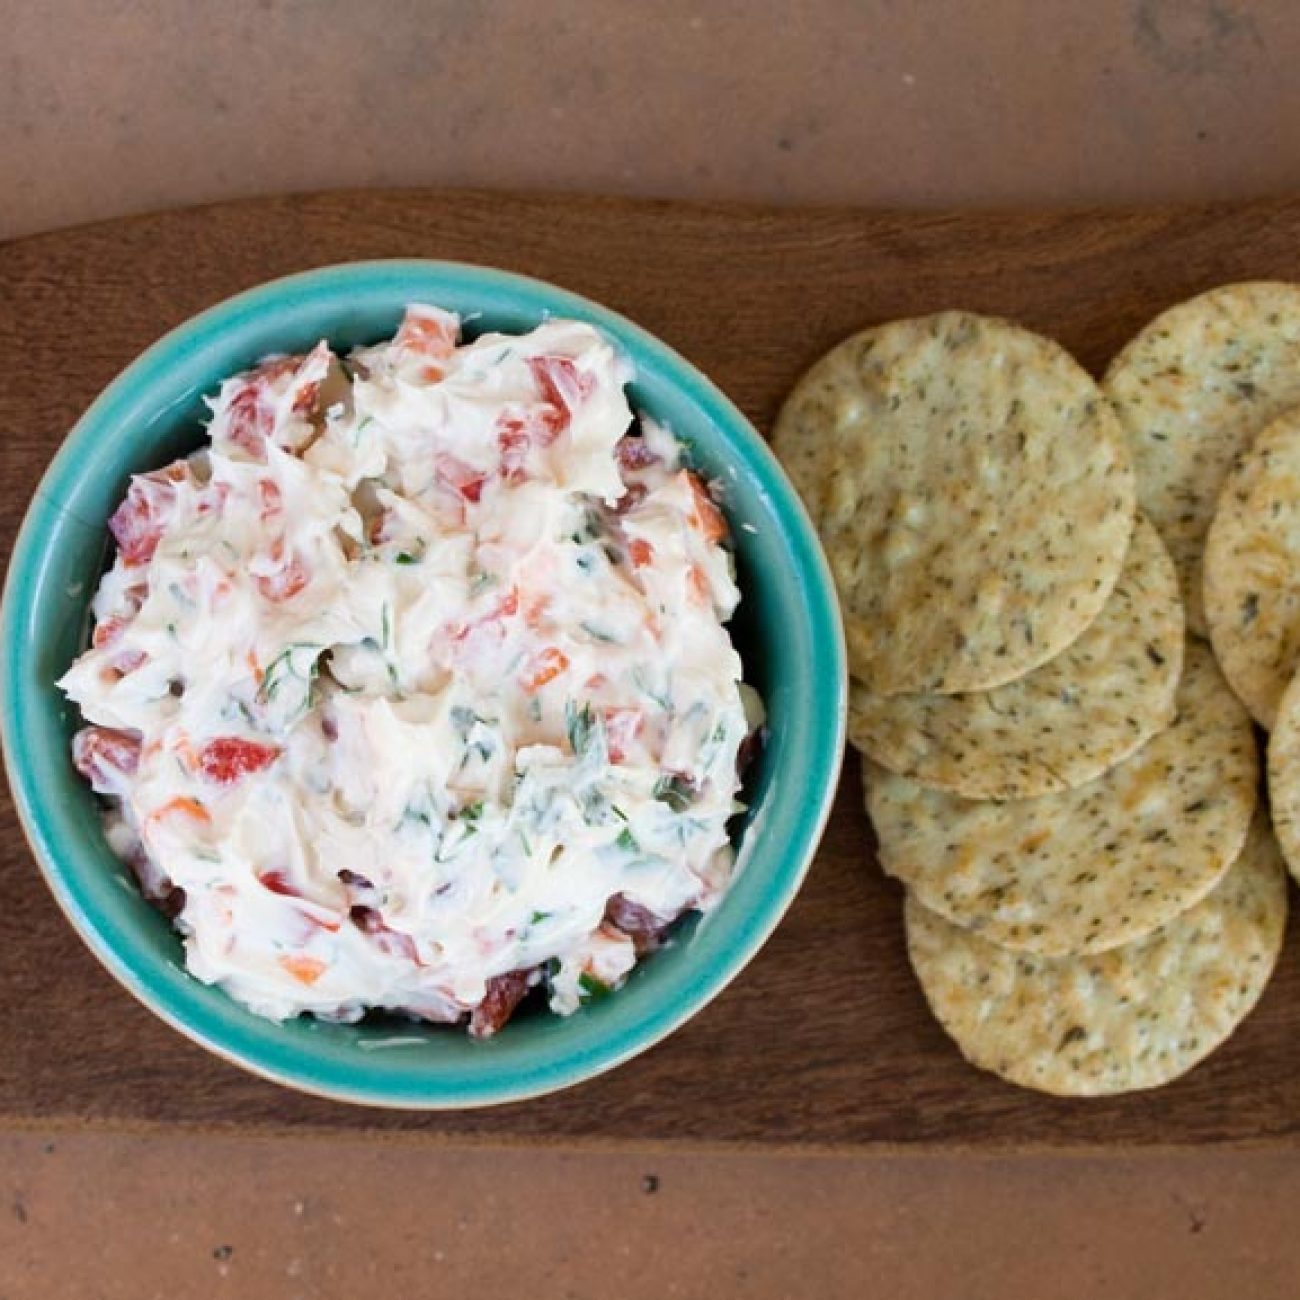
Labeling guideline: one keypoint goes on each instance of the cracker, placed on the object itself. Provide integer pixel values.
(1192, 390)
(973, 492)
(1093, 867)
(1059, 726)
(1252, 569)
(1284, 775)
(1135, 1017)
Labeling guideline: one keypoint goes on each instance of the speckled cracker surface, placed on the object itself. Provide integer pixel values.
(1252, 570)
(1284, 775)
(1192, 390)
(1096, 866)
(1135, 1017)
(1061, 725)
(974, 494)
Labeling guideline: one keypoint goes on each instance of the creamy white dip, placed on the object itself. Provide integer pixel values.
(412, 690)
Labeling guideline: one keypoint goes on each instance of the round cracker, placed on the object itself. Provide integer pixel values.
(1135, 1017)
(1284, 775)
(973, 492)
(1097, 866)
(1063, 724)
(1192, 390)
(1252, 570)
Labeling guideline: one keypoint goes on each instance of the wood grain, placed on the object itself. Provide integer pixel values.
(825, 1040)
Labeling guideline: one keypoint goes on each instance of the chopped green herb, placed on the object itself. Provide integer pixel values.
(283, 668)
(406, 557)
(643, 685)
(538, 917)
(677, 791)
(627, 841)
(592, 987)
(471, 812)
(581, 726)
(599, 634)
(463, 718)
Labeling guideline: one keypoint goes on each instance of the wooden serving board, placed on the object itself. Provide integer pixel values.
(825, 1040)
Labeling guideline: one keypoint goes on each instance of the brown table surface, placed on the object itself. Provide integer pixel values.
(108, 109)
(825, 1040)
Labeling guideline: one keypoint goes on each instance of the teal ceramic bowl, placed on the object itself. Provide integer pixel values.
(788, 631)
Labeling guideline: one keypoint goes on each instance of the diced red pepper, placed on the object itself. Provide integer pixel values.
(513, 441)
(278, 883)
(230, 758)
(269, 494)
(536, 609)
(563, 388)
(108, 631)
(640, 552)
(213, 498)
(127, 662)
(285, 583)
(428, 332)
(561, 383)
(191, 808)
(706, 516)
(250, 411)
(138, 523)
(306, 970)
(545, 666)
(104, 756)
(460, 477)
(249, 420)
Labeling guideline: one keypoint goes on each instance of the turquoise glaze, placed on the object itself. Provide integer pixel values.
(788, 630)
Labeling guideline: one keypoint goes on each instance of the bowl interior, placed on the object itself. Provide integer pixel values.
(787, 630)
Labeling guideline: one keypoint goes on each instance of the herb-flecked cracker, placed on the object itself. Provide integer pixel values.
(974, 494)
(1093, 867)
(1059, 726)
(1252, 570)
(1284, 775)
(1135, 1017)
(1192, 390)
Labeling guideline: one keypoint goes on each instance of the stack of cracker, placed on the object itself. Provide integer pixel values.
(1067, 789)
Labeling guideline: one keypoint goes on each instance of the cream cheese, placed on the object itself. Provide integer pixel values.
(416, 680)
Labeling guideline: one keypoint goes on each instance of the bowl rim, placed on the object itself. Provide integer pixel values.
(16, 606)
